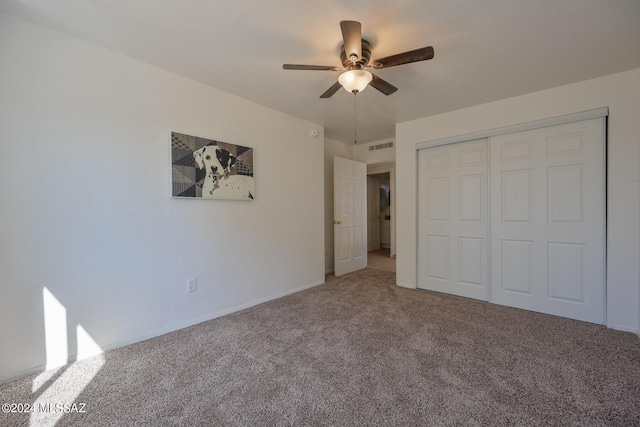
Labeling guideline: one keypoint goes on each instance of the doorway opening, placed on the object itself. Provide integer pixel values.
(380, 218)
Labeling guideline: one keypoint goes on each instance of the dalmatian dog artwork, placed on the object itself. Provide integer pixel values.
(220, 183)
(230, 186)
(214, 159)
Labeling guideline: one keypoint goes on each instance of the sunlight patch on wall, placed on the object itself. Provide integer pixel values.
(55, 330)
(87, 347)
(64, 384)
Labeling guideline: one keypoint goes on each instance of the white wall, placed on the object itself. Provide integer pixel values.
(86, 209)
(331, 149)
(621, 93)
(361, 153)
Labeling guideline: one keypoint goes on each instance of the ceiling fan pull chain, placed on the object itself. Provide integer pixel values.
(355, 117)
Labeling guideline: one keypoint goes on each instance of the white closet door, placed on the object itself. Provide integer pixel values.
(453, 223)
(547, 220)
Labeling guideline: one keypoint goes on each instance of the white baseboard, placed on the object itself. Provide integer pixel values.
(406, 285)
(175, 327)
(28, 372)
(192, 322)
(623, 328)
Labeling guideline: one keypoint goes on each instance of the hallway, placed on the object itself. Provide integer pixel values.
(380, 260)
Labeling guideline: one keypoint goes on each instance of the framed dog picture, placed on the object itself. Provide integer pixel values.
(209, 169)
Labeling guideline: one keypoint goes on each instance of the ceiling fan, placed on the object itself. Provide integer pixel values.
(355, 55)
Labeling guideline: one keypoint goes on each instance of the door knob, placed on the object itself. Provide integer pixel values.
(337, 222)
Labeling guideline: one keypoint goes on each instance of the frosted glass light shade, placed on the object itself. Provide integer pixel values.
(355, 80)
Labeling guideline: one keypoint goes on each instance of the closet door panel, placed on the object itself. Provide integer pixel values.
(453, 249)
(547, 224)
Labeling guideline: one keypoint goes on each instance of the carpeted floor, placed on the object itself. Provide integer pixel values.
(357, 351)
(381, 260)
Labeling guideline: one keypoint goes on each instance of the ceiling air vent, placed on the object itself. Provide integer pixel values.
(380, 146)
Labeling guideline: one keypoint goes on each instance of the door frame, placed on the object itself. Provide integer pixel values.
(390, 167)
(373, 197)
(559, 120)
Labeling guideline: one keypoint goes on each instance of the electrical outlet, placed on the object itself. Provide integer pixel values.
(192, 285)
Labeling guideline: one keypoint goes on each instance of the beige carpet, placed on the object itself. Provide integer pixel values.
(357, 351)
(380, 260)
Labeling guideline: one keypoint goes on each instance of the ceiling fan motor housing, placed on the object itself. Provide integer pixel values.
(364, 60)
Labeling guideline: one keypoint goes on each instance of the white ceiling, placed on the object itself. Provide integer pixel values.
(485, 50)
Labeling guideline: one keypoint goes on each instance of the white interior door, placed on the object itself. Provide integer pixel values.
(453, 249)
(350, 215)
(547, 227)
(373, 213)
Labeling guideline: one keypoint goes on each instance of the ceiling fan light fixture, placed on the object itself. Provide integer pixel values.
(355, 81)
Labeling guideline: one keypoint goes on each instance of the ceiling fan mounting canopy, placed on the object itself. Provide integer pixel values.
(355, 54)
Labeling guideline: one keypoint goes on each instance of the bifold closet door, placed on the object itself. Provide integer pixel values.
(547, 220)
(453, 224)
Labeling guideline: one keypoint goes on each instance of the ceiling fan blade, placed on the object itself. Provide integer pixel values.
(333, 89)
(382, 85)
(421, 54)
(310, 67)
(352, 37)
